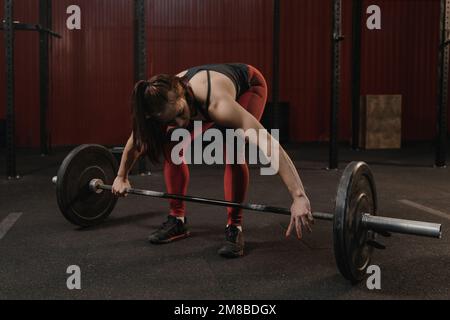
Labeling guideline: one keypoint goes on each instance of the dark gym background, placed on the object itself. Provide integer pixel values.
(91, 75)
(91, 70)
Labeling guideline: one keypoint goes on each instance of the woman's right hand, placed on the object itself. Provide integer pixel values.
(120, 186)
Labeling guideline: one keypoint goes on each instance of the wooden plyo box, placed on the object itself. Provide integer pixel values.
(381, 122)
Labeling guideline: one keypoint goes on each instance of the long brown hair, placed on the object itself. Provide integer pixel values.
(150, 99)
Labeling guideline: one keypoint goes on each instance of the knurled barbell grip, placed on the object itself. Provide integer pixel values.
(222, 203)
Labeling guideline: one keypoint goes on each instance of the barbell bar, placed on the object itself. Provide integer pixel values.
(89, 170)
(375, 223)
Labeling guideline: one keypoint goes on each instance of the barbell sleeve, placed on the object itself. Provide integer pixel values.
(416, 228)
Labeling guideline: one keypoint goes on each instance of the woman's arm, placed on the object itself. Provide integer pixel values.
(227, 112)
(129, 157)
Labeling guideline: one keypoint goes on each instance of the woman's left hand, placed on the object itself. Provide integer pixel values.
(301, 216)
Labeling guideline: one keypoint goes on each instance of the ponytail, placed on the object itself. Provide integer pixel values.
(148, 133)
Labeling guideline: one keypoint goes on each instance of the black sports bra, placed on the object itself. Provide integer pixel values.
(236, 72)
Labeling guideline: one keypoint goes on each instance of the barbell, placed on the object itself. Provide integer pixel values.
(84, 184)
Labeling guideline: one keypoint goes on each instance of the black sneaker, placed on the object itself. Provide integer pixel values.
(234, 245)
(171, 230)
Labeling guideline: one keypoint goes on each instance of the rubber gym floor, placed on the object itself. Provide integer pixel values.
(117, 262)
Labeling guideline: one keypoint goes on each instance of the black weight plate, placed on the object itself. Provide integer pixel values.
(77, 203)
(356, 195)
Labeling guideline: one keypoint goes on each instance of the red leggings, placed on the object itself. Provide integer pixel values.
(236, 176)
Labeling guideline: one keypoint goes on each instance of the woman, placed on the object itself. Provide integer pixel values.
(224, 95)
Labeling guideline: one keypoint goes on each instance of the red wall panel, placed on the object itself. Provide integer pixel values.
(306, 55)
(402, 58)
(92, 73)
(185, 33)
(92, 68)
(26, 75)
(399, 59)
(306, 66)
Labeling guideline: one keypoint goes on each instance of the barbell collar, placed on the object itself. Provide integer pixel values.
(416, 228)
